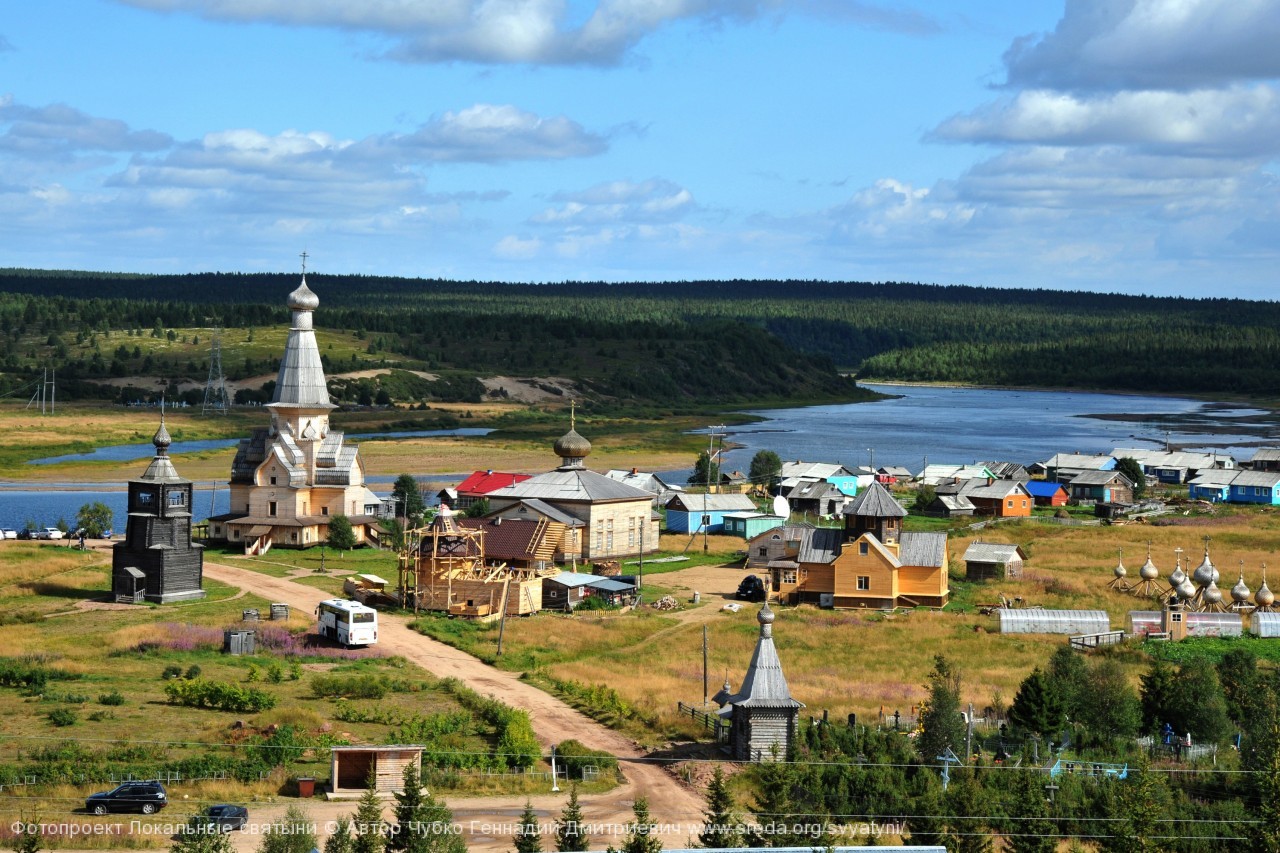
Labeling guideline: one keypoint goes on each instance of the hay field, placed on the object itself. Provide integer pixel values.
(865, 662)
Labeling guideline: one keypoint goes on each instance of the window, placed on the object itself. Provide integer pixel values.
(864, 582)
(1009, 503)
(862, 549)
(764, 551)
(324, 510)
(789, 576)
(145, 498)
(273, 481)
(178, 498)
(271, 508)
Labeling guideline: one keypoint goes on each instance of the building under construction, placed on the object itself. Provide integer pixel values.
(478, 568)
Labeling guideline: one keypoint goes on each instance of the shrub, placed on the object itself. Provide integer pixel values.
(351, 686)
(275, 673)
(112, 698)
(219, 695)
(171, 671)
(251, 674)
(61, 717)
(574, 756)
(193, 671)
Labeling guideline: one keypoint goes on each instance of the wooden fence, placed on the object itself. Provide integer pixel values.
(711, 722)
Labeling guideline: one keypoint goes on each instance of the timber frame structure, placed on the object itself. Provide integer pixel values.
(443, 568)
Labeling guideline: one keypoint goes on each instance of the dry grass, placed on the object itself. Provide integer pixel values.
(865, 662)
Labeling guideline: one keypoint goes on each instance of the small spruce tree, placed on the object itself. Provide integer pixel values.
(570, 837)
(340, 841)
(723, 827)
(528, 837)
(370, 831)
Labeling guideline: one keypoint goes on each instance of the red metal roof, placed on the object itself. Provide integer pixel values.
(484, 482)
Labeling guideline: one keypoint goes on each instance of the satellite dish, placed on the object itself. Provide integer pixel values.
(781, 508)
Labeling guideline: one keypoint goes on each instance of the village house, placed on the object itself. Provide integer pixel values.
(290, 478)
(1065, 467)
(1265, 459)
(1047, 492)
(1006, 470)
(1212, 486)
(1000, 498)
(1102, 487)
(568, 590)
(950, 506)
(661, 490)
(749, 525)
(870, 562)
(618, 519)
(689, 513)
(817, 497)
(480, 485)
(888, 475)
(1255, 487)
(1175, 467)
(945, 474)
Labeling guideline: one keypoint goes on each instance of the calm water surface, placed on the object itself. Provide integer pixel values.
(958, 425)
(964, 425)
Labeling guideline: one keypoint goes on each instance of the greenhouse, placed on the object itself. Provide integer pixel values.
(1035, 621)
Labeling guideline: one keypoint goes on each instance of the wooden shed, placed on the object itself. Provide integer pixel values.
(984, 561)
(351, 766)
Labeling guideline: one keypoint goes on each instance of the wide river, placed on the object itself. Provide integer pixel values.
(964, 425)
(942, 425)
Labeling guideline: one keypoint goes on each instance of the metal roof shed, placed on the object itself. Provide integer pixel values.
(1033, 621)
(1264, 624)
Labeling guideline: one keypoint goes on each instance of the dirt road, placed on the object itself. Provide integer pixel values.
(671, 802)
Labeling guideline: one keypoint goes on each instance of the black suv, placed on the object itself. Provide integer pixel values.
(751, 589)
(145, 797)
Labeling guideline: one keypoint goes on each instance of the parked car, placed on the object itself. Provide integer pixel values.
(145, 797)
(47, 533)
(8, 533)
(224, 818)
(26, 533)
(751, 589)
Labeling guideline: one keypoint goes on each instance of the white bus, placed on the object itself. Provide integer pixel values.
(348, 622)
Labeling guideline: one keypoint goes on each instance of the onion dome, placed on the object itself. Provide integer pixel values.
(303, 299)
(766, 615)
(1185, 590)
(1177, 577)
(1264, 596)
(1205, 573)
(1120, 571)
(161, 439)
(571, 445)
(1212, 595)
(1240, 592)
(1149, 572)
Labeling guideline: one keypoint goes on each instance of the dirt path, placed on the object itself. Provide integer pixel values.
(670, 801)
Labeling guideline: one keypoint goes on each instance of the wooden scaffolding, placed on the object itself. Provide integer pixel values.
(443, 568)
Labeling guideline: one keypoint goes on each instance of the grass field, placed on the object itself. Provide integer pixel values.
(865, 661)
(105, 710)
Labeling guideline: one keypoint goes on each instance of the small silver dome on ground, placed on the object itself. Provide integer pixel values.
(1240, 592)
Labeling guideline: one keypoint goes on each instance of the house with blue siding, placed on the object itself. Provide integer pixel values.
(1212, 486)
(749, 525)
(704, 513)
(1255, 487)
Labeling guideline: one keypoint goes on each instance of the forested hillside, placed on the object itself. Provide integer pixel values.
(723, 341)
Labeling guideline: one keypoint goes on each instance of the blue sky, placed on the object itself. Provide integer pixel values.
(1114, 145)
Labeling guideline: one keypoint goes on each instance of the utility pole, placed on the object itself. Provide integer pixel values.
(705, 686)
(712, 453)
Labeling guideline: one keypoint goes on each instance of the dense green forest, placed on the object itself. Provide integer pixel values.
(712, 341)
